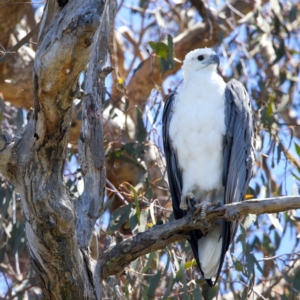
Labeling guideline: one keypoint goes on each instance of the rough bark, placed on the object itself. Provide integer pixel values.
(90, 146)
(117, 257)
(57, 237)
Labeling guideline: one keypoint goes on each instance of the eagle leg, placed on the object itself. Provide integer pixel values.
(205, 204)
(187, 201)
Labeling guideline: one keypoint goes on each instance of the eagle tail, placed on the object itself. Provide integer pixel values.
(209, 252)
(210, 249)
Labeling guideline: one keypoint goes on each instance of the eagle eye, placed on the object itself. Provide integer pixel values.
(200, 57)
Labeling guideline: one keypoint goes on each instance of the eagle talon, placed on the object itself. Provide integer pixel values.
(203, 208)
(187, 201)
(183, 205)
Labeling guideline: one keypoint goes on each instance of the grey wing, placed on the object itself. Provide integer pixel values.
(237, 154)
(238, 145)
(238, 142)
(174, 174)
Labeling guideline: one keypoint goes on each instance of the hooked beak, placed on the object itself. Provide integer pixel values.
(214, 59)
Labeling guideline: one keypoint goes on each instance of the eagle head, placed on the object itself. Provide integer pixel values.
(200, 59)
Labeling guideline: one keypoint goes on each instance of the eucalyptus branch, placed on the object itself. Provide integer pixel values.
(21, 43)
(114, 260)
(91, 159)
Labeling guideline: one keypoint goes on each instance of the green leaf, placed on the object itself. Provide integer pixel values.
(296, 176)
(119, 217)
(212, 293)
(129, 148)
(20, 119)
(187, 265)
(141, 130)
(160, 48)
(164, 65)
(250, 261)
(133, 222)
(136, 202)
(297, 149)
(183, 276)
(140, 150)
(142, 3)
(2, 197)
(17, 234)
(268, 245)
(2, 253)
(157, 112)
(242, 238)
(279, 150)
(293, 14)
(149, 261)
(190, 263)
(79, 115)
(4, 205)
(256, 242)
(126, 289)
(169, 288)
(154, 281)
(197, 293)
(245, 293)
(296, 282)
(170, 52)
(258, 266)
(165, 53)
(237, 264)
(280, 51)
(270, 109)
(109, 203)
(167, 264)
(239, 68)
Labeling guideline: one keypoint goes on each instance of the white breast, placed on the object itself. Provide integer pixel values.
(197, 128)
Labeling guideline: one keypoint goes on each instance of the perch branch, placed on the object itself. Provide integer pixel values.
(114, 260)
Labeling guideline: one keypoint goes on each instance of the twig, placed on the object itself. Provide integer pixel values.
(18, 45)
(116, 191)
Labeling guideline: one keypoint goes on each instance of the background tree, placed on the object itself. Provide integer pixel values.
(60, 181)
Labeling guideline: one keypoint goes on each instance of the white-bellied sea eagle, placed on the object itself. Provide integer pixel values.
(208, 144)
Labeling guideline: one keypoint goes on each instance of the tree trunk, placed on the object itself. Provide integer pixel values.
(59, 227)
